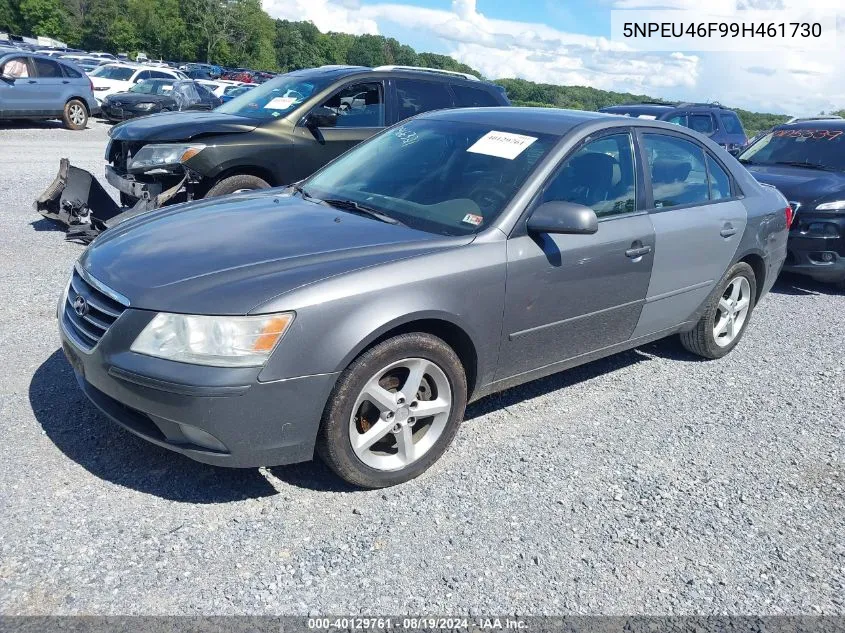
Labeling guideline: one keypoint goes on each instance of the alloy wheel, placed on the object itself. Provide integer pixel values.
(732, 311)
(400, 414)
(76, 114)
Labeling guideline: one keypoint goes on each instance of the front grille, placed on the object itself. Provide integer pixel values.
(98, 313)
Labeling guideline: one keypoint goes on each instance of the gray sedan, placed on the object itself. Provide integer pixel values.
(452, 256)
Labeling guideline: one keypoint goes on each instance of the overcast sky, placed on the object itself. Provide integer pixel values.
(568, 42)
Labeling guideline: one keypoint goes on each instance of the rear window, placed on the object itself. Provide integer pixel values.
(466, 97)
(731, 123)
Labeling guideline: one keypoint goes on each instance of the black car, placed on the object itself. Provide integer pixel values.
(275, 134)
(715, 121)
(158, 95)
(806, 162)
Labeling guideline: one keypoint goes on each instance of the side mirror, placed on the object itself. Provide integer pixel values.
(321, 117)
(563, 217)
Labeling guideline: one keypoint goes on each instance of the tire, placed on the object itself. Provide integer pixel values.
(75, 115)
(350, 411)
(237, 183)
(703, 339)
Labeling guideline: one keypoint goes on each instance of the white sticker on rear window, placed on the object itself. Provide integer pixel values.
(280, 103)
(502, 144)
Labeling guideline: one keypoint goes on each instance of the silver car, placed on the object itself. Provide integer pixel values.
(40, 87)
(454, 255)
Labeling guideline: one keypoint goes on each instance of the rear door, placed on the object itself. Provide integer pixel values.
(18, 94)
(698, 223)
(51, 84)
(568, 295)
(352, 114)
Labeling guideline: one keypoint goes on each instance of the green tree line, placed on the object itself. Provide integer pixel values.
(241, 33)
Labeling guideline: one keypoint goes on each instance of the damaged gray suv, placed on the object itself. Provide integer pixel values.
(449, 257)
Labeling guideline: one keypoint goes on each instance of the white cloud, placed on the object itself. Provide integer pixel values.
(783, 81)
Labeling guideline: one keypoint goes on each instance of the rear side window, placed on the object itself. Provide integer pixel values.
(678, 174)
(71, 72)
(720, 183)
(731, 123)
(600, 175)
(701, 123)
(157, 74)
(466, 97)
(47, 68)
(141, 76)
(421, 96)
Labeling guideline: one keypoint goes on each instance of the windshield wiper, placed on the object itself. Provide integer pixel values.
(357, 207)
(747, 161)
(305, 195)
(804, 163)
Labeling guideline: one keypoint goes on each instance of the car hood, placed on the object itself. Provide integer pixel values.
(181, 126)
(799, 184)
(230, 255)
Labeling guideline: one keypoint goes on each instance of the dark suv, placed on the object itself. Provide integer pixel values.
(281, 131)
(721, 124)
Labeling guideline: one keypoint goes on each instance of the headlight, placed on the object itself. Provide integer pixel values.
(146, 106)
(163, 155)
(238, 341)
(836, 205)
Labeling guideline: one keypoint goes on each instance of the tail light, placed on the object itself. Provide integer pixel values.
(91, 83)
(790, 215)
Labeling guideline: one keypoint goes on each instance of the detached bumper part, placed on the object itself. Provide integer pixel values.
(77, 202)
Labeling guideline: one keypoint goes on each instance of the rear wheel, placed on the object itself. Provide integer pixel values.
(237, 184)
(75, 115)
(726, 316)
(394, 411)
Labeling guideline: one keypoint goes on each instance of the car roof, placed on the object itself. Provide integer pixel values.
(536, 120)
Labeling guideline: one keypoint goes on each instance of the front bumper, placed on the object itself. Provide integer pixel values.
(219, 416)
(816, 247)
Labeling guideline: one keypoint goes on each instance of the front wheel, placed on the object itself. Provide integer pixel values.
(394, 411)
(726, 315)
(75, 115)
(237, 184)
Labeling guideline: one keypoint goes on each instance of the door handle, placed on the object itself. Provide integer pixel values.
(65, 81)
(634, 253)
(727, 230)
(32, 81)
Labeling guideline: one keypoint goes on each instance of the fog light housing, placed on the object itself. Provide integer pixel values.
(827, 257)
(202, 439)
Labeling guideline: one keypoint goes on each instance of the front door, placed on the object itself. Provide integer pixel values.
(568, 295)
(698, 224)
(18, 90)
(351, 115)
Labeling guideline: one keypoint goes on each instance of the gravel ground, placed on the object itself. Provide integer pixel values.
(648, 482)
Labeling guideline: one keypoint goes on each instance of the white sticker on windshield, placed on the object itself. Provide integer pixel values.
(280, 103)
(502, 144)
(166, 88)
(651, 117)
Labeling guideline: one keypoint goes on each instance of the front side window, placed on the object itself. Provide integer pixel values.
(600, 175)
(701, 123)
(421, 96)
(678, 175)
(47, 68)
(445, 177)
(16, 67)
(358, 105)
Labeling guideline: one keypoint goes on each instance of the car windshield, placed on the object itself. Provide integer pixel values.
(234, 91)
(276, 97)
(153, 86)
(815, 146)
(446, 177)
(118, 73)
